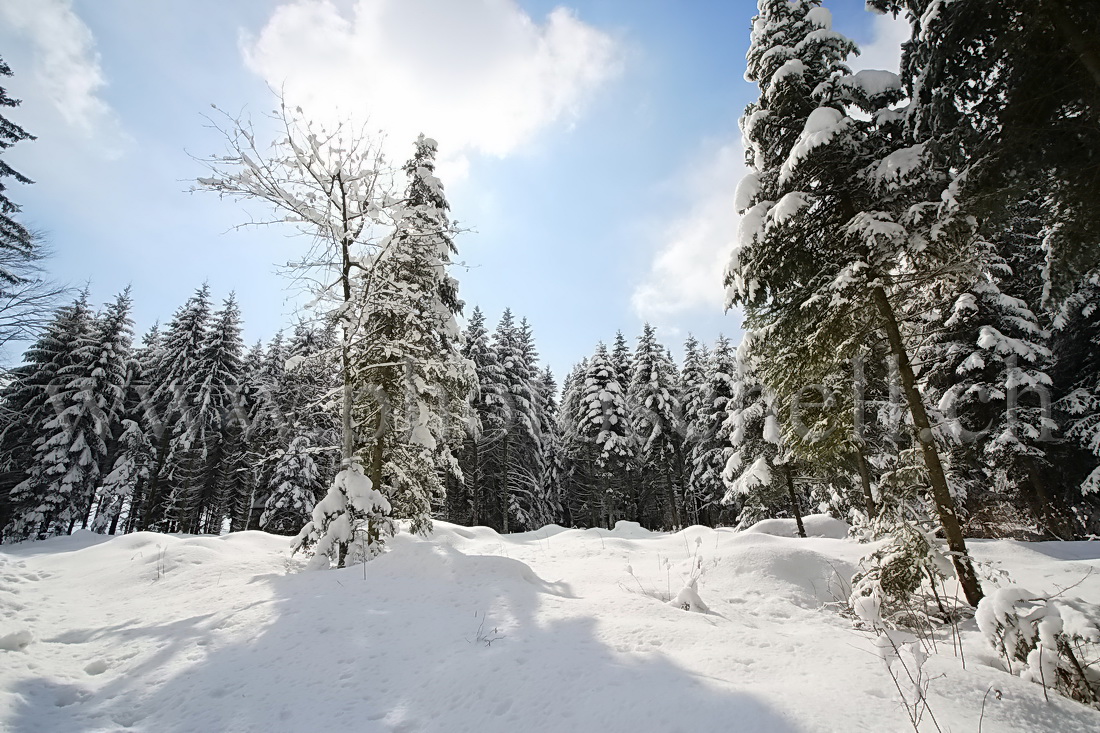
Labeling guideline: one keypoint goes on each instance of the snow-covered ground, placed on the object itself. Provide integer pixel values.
(554, 630)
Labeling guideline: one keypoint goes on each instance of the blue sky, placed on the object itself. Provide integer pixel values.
(591, 147)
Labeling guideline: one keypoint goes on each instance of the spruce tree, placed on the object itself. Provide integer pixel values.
(1077, 372)
(553, 460)
(986, 360)
(711, 449)
(175, 385)
(834, 240)
(489, 418)
(759, 473)
(61, 475)
(121, 485)
(1001, 135)
(622, 359)
(656, 419)
(297, 486)
(604, 426)
(578, 486)
(410, 380)
(199, 439)
(519, 452)
(100, 390)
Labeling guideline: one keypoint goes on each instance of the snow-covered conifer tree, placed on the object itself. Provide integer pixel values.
(710, 433)
(488, 418)
(622, 359)
(828, 252)
(62, 474)
(297, 486)
(552, 451)
(758, 472)
(175, 383)
(604, 424)
(199, 441)
(1077, 371)
(122, 483)
(578, 487)
(986, 368)
(520, 444)
(656, 419)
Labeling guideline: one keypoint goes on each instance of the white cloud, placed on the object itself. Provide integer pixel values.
(884, 50)
(477, 76)
(686, 272)
(66, 64)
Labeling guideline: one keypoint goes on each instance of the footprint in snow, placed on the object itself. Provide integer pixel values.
(99, 666)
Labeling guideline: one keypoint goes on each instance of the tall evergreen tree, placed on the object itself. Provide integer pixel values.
(198, 452)
(62, 473)
(411, 378)
(834, 237)
(604, 425)
(101, 389)
(122, 483)
(578, 462)
(520, 445)
(552, 450)
(1077, 372)
(1003, 135)
(656, 420)
(713, 376)
(986, 368)
(297, 485)
(622, 359)
(759, 473)
(489, 418)
(175, 385)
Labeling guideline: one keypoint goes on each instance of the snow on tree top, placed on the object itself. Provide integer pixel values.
(821, 127)
(872, 82)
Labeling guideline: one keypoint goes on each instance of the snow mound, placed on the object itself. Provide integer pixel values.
(414, 560)
(627, 529)
(16, 641)
(816, 525)
(773, 568)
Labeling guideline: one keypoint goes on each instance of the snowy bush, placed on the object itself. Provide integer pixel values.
(1051, 643)
(888, 591)
(688, 598)
(351, 524)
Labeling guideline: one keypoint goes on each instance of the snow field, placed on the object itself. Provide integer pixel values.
(468, 630)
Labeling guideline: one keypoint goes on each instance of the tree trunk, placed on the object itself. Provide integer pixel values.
(114, 521)
(941, 494)
(794, 501)
(377, 455)
(504, 491)
(88, 510)
(347, 444)
(865, 481)
(155, 489)
(475, 490)
(672, 498)
(678, 466)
